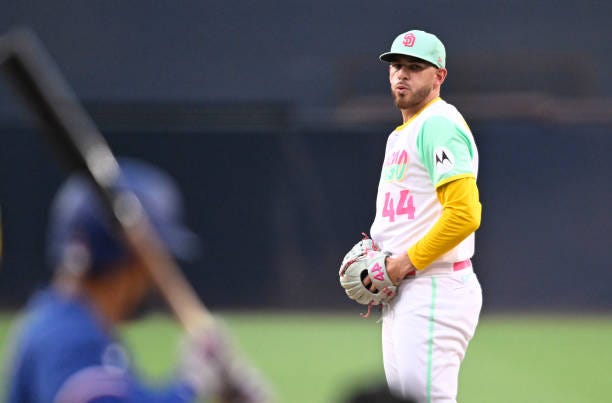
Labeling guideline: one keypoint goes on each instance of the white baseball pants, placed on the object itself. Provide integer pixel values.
(425, 334)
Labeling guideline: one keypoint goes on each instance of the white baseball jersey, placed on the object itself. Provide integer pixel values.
(434, 147)
(427, 327)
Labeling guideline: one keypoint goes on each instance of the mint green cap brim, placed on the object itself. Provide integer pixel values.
(419, 44)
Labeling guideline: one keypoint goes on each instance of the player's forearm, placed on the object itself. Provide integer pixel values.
(460, 217)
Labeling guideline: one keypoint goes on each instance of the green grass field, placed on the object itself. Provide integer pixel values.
(319, 358)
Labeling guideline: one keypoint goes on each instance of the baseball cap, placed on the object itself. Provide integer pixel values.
(78, 218)
(419, 44)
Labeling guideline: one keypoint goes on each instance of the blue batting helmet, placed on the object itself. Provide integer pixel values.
(78, 219)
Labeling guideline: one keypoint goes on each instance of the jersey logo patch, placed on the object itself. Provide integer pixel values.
(444, 159)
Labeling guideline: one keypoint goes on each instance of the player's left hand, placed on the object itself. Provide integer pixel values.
(366, 261)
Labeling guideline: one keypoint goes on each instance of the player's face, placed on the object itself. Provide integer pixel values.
(133, 288)
(414, 82)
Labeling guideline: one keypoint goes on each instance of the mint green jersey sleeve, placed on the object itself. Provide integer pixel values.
(445, 150)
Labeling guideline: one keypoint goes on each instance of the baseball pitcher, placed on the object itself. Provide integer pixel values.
(417, 264)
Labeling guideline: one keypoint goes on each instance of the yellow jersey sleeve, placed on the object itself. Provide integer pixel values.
(460, 217)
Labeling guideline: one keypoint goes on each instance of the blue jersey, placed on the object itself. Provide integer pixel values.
(64, 354)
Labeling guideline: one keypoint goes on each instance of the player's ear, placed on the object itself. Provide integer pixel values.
(441, 75)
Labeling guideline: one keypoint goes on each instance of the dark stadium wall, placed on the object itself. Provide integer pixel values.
(277, 212)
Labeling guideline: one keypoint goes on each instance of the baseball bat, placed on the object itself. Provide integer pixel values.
(83, 148)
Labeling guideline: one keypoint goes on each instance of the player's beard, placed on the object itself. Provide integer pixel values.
(412, 99)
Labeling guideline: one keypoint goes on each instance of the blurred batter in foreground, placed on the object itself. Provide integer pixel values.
(67, 347)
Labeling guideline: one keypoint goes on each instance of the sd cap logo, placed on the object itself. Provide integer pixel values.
(409, 40)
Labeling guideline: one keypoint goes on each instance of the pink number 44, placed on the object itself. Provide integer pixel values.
(405, 205)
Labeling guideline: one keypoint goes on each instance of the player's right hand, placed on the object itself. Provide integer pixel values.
(201, 355)
(211, 365)
(244, 384)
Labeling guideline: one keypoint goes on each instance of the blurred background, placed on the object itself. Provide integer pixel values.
(273, 115)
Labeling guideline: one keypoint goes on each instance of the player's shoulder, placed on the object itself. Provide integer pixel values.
(57, 337)
(55, 324)
(442, 109)
(442, 116)
(438, 124)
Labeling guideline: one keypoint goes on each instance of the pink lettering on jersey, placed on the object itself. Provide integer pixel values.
(377, 270)
(409, 40)
(395, 166)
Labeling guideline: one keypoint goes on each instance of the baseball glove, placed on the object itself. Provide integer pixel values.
(364, 259)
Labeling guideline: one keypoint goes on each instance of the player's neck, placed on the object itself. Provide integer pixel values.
(107, 295)
(93, 293)
(413, 111)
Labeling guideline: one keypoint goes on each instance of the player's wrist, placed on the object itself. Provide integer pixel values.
(399, 267)
(413, 257)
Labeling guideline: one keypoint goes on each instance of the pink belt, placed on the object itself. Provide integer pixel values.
(464, 264)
